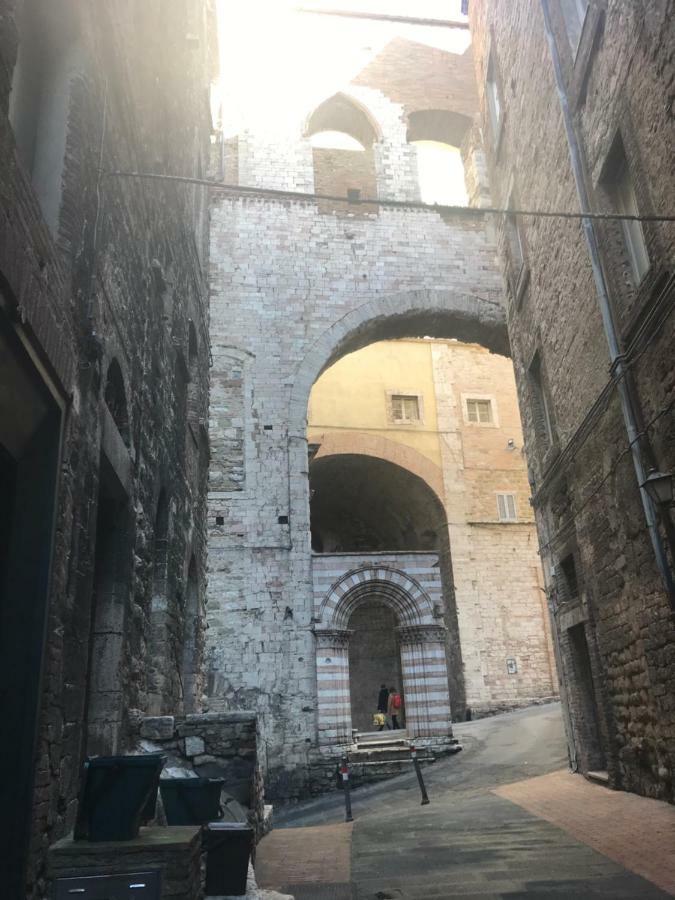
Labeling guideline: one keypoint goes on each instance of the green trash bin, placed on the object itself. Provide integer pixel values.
(116, 794)
(228, 849)
(191, 801)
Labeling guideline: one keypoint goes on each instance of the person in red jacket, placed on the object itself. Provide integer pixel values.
(394, 705)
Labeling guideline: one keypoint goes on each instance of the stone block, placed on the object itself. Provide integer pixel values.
(157, 728)
(193, 746)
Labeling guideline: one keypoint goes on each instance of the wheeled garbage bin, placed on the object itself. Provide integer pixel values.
(191, 801)
(228, 848)
(116, 794)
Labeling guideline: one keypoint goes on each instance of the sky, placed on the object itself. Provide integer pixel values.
(280, 62)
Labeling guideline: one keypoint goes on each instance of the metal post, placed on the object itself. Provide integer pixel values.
(344, 772)
(418, 772)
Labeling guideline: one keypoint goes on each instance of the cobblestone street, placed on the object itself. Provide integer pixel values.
(505, 820)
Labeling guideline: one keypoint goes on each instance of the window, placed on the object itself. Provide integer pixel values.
(574, 15)
(515, 246)
(479, 411)
(619, 185)
(405, 408)
(493, 102)
(567, 583)
(39, 104)
(506, 507)
(541, 414)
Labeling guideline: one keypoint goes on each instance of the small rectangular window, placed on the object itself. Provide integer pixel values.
(574, 15)
(506, 507)
(621, 190)
(541, 414)
(567, 583)
(405, 408)
(493, 102)
(515, 245)
(479, 411)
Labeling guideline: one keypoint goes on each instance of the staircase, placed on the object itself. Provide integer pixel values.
(376, 755)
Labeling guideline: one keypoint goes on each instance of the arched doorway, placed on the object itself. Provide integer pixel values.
(374, 659)
(420, 633)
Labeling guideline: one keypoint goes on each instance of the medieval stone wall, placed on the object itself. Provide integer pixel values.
(102, 274)
(292, 288)
(611, 606)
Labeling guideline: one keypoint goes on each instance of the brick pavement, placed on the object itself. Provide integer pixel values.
(634, 831)
(291, 857)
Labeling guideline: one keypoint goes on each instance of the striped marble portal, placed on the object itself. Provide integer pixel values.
(422, 637)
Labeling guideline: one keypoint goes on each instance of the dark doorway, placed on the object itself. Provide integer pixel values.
(374, 659)
(105, 701)
(191, 641)
(30, 426)
(587, 725)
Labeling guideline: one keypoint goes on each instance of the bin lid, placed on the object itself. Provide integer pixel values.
(142, 759)
(228, 826)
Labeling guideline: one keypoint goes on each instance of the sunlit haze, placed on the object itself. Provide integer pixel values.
(277, 64)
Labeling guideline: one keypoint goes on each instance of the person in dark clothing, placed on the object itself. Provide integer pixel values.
(383, 703)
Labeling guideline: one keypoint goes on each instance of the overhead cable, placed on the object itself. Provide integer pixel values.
(475, 212)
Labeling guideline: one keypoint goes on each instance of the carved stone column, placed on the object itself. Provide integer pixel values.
(332, 682)
(425, 680)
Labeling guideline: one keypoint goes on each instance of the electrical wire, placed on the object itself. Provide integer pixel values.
(383, 17)
(475, 212)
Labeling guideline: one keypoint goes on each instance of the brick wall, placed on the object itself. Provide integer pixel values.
(622, 67)
(119, 276)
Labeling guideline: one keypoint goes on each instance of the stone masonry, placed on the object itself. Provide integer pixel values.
(613, 610)
(103, 408)
(293, 287)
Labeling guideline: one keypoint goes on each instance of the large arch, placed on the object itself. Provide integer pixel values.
(367, 444)
(438, 313)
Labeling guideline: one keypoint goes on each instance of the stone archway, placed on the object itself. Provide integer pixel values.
(440, 314)
(422, 639)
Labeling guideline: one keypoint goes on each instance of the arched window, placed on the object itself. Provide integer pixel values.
(342, 135)
(116, 401)
(438, 136)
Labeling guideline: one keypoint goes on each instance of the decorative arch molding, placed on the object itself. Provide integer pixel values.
(443, 314)
(393, 587)
(422, 646)
(438, 125)
(343, 113)
(356, 442)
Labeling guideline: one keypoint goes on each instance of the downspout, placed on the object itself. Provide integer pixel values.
(616, 357)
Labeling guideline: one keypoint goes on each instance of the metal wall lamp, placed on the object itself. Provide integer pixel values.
(659, 486)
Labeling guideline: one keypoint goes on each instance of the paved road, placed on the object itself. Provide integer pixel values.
(470, 843)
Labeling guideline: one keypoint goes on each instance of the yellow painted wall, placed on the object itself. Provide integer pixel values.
(496, 571)
(352, 395)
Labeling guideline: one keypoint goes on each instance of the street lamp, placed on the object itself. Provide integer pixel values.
(659, 486)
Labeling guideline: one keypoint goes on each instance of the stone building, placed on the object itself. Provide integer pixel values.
(103, 402)
(417, 465)
(591, 326)
(296, 284)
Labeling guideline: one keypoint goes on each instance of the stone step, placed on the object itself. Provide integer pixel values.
(387, 753)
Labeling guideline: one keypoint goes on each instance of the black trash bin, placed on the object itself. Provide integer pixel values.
(228, 848)
(191, 801)
(116, 792)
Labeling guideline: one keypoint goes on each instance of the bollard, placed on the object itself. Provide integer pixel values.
(418, 772)
(344, 772)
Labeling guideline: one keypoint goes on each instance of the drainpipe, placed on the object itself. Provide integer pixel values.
(617, 363)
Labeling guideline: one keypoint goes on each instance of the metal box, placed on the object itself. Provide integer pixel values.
(135, 886)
